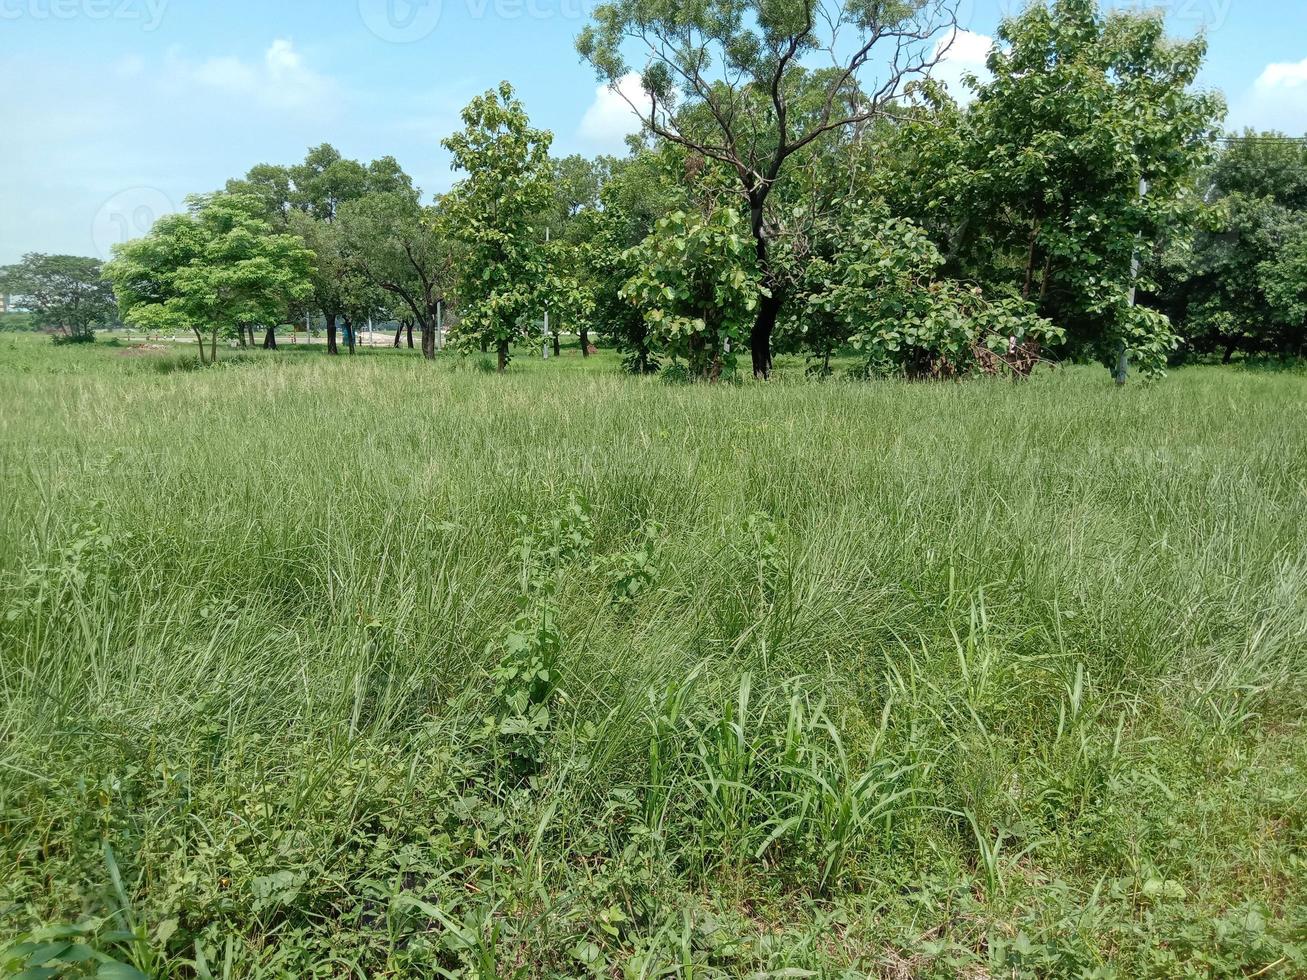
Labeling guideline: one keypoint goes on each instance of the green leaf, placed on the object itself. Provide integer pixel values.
(119, 971)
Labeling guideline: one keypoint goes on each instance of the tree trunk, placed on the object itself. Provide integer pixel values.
(643, 355)
(698, 358)
(1229, 352)
(213, 346)
(250, 328)
(503, 357)
(331, 333)
(408, 327)
(270, 339)
(760, 335)
(399, 334)
(485, 346)
(349, 334)
(585, 341)
(429, 339)
(199, 341)
(768, 306)
(1031, 258)
(558, 351)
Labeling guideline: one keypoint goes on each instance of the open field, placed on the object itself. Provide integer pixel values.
(372, 667)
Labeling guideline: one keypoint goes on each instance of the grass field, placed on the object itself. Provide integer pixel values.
(368, 667)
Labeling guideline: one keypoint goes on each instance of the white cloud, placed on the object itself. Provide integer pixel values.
(966, 54)
(1277, 100)
(1284, 76)
(609, 119)
(280, 81)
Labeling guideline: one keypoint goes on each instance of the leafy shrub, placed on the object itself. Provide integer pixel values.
(632, 573)
(675, 373)
(878, 291)
(525, 678)
(697, 285)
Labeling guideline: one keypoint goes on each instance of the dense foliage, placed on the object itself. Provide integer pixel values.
(728, 82)
(1079, 148)
(1236, 279)
(879, 292)
(697, 287)
(306, 198)
(217, 267)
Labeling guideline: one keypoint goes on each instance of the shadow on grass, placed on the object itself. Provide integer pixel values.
(185, 363)
(1272, 365)
(181, 360)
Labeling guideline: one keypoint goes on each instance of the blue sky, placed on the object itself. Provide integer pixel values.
(114, 110)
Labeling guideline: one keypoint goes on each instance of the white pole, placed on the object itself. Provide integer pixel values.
(440, 324)
(372, 340)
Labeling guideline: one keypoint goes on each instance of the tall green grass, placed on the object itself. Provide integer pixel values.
(848, 678)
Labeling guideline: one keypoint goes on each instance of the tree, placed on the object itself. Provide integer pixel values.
(1284, 279)
(569, 294)
(1067, 165)
(401, 247)
(330, 268)
(749, 102)
(879, 291)
(62, 292)
(495, 211)
(1233, 280)
(273, 186)
(638, 191)
(697, 286)
(577, 185)
(217, 266)
(306, 198)
(362, 299)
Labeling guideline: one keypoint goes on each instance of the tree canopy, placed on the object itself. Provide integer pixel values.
(729, 81)
(1234, 278)
(218, 266)
(497, 213)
